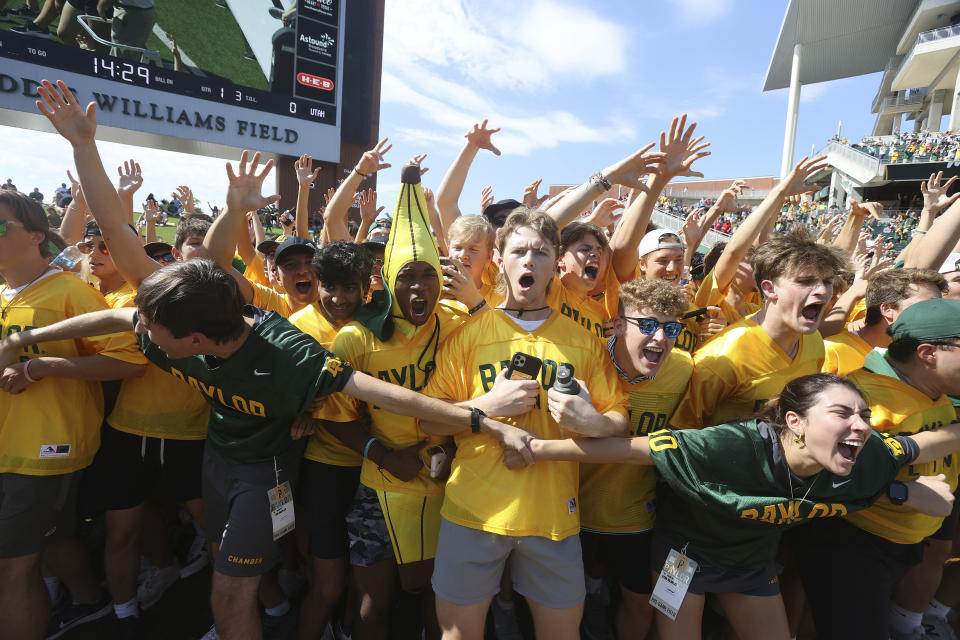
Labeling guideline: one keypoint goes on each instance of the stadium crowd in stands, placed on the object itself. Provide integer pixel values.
(535, 412)
(925, 146)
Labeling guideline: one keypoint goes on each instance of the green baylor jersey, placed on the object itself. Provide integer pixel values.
(725, 490)
(256, 393)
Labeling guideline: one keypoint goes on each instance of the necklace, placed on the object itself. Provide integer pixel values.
(793, 514)
(16, 292)
(520, 312)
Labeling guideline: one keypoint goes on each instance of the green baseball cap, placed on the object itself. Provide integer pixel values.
(933, 319)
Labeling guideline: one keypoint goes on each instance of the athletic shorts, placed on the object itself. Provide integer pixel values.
(626, 556)
(948, 529)
(128, 469)
(327, 492)
(849, 576)
(35, 511)
(712, 579)
(131, 26)
(470, 563)
(385, 523)
(237, 509)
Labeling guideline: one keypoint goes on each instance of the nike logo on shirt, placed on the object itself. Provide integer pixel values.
(840, 484)
(257, 372)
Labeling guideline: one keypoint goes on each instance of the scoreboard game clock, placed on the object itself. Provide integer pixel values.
(271, 82)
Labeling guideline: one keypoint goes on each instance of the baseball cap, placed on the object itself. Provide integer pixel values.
(500, 210)
(952, 263)
(376, 243)
(291, 243)
(933, 319)
(269, 247)
(659, 239)
(153, 247)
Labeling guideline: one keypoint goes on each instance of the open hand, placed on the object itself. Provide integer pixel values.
(479, 137)
(77, 125)
(935, 196)
(131, 178)
(306, 174)
(795, 182)
(629, 170)
(372, 161)
(530, 198)
(243, 192)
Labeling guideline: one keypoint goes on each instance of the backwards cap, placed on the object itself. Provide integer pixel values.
(933, 319)
(410, 241)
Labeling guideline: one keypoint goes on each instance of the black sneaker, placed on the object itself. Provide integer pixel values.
(6, 15)
(77, 614)
(31, 29)
(23, 13)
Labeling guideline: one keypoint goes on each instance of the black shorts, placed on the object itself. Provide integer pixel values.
(327, 492)
(712, 579)
(237, 509)
(948, 529)
(85, 6)
(625, 556)
(128, 469)
(36, 510)
(849, 576)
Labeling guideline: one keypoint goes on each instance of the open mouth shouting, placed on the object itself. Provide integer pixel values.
(811, 313)
(652, 355)
(848, 450)
(303, 287)
(526, 282)
(591, 271)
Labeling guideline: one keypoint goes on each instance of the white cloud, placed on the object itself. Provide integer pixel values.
(702, 11)
(813, 92)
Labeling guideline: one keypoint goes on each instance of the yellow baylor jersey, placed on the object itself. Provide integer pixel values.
(899, 409)
(322, 446)
(709, 294)
(53, 427)
(586, 312)
(157, 405)
(844, 353)
(270, 299)
(738, 370)
(540, 500)
(401, 360)
(621, 498)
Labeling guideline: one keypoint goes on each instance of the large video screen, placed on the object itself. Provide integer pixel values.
(261, 74)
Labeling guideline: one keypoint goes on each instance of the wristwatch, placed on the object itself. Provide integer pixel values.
(897, 492)
(475, 419)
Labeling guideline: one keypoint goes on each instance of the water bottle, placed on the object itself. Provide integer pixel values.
(68, 258)
(565, 381)
(685, 278)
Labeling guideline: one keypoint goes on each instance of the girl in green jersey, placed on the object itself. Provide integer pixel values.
(729, 491)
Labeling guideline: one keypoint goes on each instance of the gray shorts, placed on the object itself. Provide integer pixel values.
(35, 511)
(237, 510)
(469, 564)
(367, 530)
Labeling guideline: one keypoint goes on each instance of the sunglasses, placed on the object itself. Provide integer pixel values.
(89, 246)
(4, 223)
(163, 257)
(648, 326)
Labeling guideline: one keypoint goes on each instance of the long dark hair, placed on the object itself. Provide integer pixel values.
(798, 396)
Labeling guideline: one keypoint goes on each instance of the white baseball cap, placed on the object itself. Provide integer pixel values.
(952, 264)
(659, 239)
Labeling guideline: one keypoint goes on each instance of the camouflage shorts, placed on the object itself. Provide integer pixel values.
(367, 530)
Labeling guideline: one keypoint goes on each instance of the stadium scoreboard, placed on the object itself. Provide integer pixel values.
(286, 99)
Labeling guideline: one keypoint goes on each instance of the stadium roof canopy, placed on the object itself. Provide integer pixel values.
(841, 38)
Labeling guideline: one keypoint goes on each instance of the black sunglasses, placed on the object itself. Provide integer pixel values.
(648, 326)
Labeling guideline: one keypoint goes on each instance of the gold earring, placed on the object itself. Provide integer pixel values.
(798, 441)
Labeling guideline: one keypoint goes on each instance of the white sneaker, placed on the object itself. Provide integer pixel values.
(197, 557)
(505, 625)
(934, 627)
(155, 584)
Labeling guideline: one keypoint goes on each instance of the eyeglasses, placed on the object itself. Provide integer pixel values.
(89, 246)
(164, 257)
(648, 326)
(4, 223)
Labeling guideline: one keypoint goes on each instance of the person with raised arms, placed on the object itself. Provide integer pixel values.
(728, 493)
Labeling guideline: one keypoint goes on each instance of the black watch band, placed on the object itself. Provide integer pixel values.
(898, 493)
(475, 419)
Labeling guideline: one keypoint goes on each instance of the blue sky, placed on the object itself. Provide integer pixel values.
(574, 85)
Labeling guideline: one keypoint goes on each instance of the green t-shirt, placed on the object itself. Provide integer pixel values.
(256, 393)
(725, 490)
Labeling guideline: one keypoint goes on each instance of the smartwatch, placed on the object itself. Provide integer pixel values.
(897, 492)
(475, 419)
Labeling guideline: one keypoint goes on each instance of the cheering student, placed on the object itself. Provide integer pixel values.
(616, 524)
(729, 491)
(531, 519)
(50, 416)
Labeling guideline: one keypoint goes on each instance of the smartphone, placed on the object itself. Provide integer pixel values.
(524, 367)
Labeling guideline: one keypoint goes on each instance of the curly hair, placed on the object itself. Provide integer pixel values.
(343, 262)
(659, 296)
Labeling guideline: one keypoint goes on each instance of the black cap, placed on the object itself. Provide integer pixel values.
(269, 247)
(493, 211)
(152, 247)
(91, 229)
(291, 243)
(376, 243)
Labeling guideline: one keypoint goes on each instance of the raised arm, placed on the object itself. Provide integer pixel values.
(679, 150)
(306, 174)
(79, 127)
(71, 227)
(185, 195)
(448, 193)
(368, 213)
(247, 246)
(129, 182)
(850, 233)
(931, 249)
(744, 237)
(335, 215)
